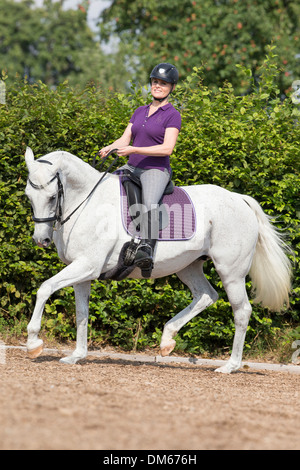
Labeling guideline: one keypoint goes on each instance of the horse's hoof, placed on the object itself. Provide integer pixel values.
(36, 352)
(223, 370)
(71, 359)
(166, 350)
(227, 368)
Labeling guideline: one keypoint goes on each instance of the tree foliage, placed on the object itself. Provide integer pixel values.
(247, 144)
(215, 33)
(52, 44)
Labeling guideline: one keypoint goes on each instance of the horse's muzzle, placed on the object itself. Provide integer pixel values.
(43, 243)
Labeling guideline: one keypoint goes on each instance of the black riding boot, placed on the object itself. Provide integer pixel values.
(150, 231)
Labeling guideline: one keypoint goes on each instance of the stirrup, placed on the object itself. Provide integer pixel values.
(146, 272)
(131, 251)
(147, 253)
(145, 263)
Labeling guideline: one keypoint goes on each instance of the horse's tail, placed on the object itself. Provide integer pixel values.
(270, 271)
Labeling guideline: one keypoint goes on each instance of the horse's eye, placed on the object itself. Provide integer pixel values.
(52, 198)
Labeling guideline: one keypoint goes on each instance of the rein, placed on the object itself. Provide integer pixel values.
(58, 212)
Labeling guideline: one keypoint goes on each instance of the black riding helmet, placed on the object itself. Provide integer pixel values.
(166, 72)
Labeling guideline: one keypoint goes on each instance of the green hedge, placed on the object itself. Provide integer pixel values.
(248, 144)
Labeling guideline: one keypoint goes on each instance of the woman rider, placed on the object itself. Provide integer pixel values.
(153, 130)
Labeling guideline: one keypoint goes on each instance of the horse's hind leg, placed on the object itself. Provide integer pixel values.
(237, 296)
(203, 296)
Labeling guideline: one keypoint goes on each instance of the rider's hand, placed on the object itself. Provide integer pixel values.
(105, 150)
(124, 151)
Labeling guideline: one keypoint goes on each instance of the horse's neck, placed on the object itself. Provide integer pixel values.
(75, 173)
(77, 176)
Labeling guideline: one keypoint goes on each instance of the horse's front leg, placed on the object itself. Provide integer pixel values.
(77, 272)
(34, 344)
(82, 298)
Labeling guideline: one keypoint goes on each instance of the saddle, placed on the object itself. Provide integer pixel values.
(133, 192)
(177, 221)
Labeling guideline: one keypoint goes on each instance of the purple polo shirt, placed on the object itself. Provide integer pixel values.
(148, 131)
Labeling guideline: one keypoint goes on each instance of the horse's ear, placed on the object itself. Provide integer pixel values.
(29, 157)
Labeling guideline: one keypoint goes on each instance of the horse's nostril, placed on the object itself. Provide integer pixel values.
(44, 243)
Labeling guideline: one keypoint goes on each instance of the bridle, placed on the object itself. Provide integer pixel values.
(57, 217)
(60, 193)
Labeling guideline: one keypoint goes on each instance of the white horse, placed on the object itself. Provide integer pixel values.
(232, 230)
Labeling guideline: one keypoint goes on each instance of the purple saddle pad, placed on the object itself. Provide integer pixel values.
(181, 214)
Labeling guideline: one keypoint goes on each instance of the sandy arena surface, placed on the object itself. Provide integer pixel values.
(114, 404)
